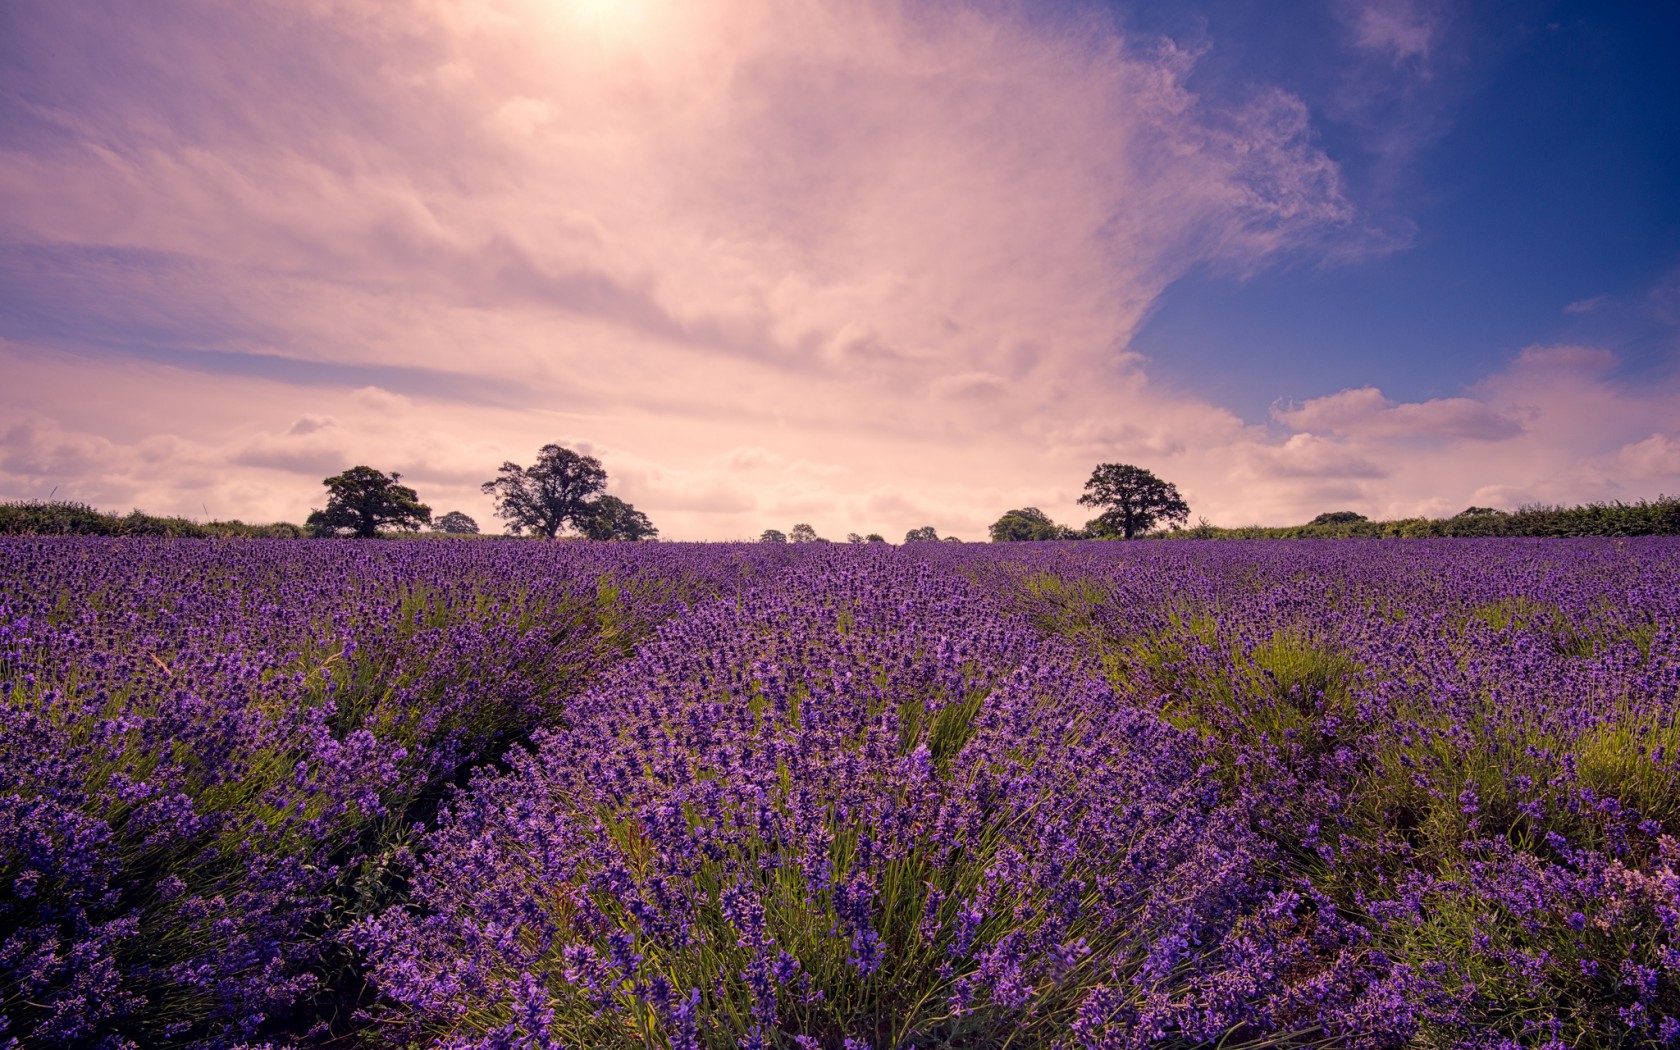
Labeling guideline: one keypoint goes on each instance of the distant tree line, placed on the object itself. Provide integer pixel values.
(1137, 503)
(561, 490)
(804, 533)
(1658, 517)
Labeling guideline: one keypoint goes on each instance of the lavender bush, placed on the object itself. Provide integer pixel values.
(1470, 748)
(1369, 794)
(211, 754)
(860, 806)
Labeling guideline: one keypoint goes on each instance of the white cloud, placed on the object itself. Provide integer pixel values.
(1309, 456)
(870, 264)
(1366, 412)
(1658, 456)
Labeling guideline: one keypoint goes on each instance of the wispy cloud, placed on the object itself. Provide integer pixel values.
(1586, 306)
(1401, 71)
(1398, 30)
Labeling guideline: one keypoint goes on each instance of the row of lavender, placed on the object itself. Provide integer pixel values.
(862, 807)
(1371, 794)
(215, 756)
(1473, 751)
(1069, 795)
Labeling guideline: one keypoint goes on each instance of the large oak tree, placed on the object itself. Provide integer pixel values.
(563, 488)
(550, 494)
(362, 500)
(1135, 500)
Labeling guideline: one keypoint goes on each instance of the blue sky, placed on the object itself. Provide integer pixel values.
(868, 264)
(1539, 170)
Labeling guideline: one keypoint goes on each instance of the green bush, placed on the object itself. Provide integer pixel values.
(71, 518)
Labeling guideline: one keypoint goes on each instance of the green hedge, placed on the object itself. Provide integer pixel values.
(69, 518)
(1658, 517)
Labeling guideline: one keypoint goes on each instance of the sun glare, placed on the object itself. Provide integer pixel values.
(608, 16)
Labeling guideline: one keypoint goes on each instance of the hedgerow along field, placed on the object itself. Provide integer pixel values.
(329, 793)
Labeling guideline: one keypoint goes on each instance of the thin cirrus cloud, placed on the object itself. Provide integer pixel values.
(1587, 305)
(869, 264)
(1400, 30)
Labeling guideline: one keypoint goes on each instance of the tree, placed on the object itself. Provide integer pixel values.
(772, 536)
(456, 524)
(852, 537)
(610, 518)
(550, 494)
(1135, 498)
(1028, 524)
(925, 534)
(1338, 517)
(802, 533)
(1478, 512)
(362, 500)
(874, 537)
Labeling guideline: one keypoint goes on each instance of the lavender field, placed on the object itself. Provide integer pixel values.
(1084, 795)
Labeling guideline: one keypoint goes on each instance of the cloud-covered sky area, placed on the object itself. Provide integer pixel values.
(868, 265)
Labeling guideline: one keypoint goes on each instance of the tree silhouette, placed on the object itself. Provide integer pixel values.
(362, 500)
(772, 536)
(550, 494)
(925, 534)
(1135, 498)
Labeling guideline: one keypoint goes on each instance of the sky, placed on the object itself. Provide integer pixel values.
(866, 265)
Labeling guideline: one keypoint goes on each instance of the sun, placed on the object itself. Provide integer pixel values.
(608, 15)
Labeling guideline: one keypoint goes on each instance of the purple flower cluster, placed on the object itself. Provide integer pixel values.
(1372, 794)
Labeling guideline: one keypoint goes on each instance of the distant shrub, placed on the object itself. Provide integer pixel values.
(457, 523)
(1338, 517)
(1415, 528)
(70, 518)
(54, 518)
(278, 530)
